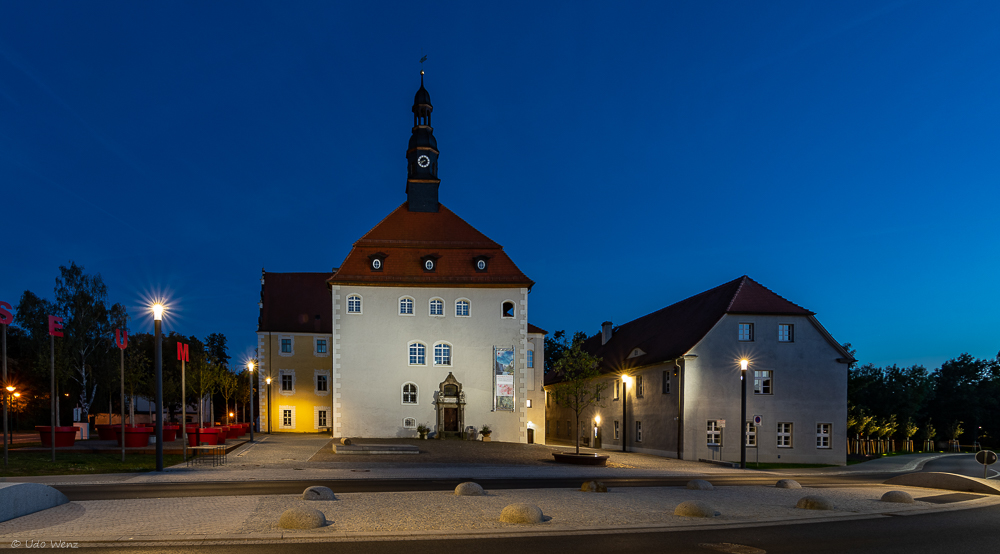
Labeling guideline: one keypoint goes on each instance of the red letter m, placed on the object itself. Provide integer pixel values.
(182, 352)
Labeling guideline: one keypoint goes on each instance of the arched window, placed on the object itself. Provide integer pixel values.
(354, 304)
(437, 306)
(418, 354)
(508, 309)
(409, 393)
(409, 423)
(462, 308)
(406, 306)
(442, 354)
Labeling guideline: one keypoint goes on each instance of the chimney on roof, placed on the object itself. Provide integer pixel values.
(605, 332)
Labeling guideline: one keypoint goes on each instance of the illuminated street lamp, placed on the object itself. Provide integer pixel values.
(6, 431)
(625, 381)
(250, 378)
(158, 331)
(743, 412)
(268, 380)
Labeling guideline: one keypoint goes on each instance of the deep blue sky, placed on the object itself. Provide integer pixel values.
(843, 154)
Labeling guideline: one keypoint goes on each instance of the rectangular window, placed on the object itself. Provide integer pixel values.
(286, 418)
(638, 431)
(531, 358)
(714, 433)
(746, 332)
(786, 333)
(762, 382)
(546, 399)
(286, 382)
(784, 435)
(617, 431)
(616, 388)
(528, 403)
(321, 346)
(354, 304)
(823, 435)
(321, 383)
(321, 418)
(286, 346)
(639, 389)
(751, 434)
(666, 382)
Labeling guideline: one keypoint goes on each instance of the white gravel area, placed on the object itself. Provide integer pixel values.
(407, 513)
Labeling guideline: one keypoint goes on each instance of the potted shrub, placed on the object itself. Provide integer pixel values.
(485, 431)
(422, 430)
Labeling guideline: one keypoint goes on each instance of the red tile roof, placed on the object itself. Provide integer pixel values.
(295, 303)
(405, 237)
(669, 333)
(534, 329)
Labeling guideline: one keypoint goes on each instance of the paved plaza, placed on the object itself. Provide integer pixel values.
(440, 514)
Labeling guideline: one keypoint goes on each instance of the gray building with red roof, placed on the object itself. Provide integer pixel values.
(674, 381)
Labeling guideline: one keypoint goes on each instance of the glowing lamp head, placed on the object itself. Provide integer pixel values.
(267, 380)
(231, 414)
(597, 419)
(158, 311)
(10, 388)
(250, 365)
(743, 364)
(17, 395)
(627, 380)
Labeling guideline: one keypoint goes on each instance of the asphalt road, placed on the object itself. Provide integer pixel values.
(110, 491)
(964, 464)
(976, 530)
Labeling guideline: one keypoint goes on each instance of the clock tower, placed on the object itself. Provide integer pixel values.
(422, 156)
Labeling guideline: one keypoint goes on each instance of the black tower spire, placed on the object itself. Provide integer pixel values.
(422, 156)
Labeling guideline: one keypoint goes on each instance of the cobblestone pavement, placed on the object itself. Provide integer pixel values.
(415, 515)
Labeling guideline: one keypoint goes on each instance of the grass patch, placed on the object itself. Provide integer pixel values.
(751, 465)
(27, 464)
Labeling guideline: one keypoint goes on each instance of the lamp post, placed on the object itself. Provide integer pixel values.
(158, 331)
(268, 380)
(743, 412)
(625, 380)
(250, 378)
(6, 400)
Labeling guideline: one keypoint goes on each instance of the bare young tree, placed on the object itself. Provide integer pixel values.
(579, 388)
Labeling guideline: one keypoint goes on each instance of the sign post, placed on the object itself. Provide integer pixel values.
(184, 355)
(55, 330)
(5, 319)
(121, 340)
(987, 458)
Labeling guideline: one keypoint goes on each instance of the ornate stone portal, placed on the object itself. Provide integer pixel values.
(450, 402)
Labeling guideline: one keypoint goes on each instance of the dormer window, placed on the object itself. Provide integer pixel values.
(481, 263)
(429, 263)
(376, 261)
(636, 352)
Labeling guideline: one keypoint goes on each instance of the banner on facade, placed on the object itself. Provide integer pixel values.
(503, 378)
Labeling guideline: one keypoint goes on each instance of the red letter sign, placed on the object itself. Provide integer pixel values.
(121, 338)
(182, 352)
(55, 326)
(5, 317)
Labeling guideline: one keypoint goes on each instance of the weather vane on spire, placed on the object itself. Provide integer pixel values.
(422, 60)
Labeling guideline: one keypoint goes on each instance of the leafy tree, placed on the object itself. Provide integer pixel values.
(228, 385)
(556, 346)
(579, 388)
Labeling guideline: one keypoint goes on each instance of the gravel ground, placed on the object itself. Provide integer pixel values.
(406, 513)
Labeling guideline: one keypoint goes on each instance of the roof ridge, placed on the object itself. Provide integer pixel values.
(743, 281)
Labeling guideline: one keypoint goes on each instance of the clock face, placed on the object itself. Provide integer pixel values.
(423, 161)
(429, 265)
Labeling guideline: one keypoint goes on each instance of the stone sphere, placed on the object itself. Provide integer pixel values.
(814, 503)
(594, 486)
(902, 497)
(700, 485)
(695, 508)
(788, 484)
(521, 513)
(302, 518)
(317, 493)
(469, 489)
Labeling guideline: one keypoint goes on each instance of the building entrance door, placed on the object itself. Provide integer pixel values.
(451, 420)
